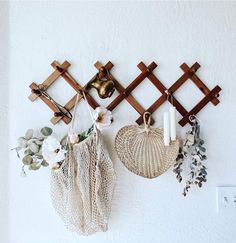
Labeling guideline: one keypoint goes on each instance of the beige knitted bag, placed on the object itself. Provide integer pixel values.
(82, 189)
(142, 150)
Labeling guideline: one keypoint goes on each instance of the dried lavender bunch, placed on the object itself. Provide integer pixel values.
(192, 149)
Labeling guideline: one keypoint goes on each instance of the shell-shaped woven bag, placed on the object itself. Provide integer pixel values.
(82, 189)
(142, 150)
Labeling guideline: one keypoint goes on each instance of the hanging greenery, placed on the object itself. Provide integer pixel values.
(42, 149)
(193, 150)
(29, 149)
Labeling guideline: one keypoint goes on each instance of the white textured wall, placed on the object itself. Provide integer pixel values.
(169, 33)
(4, 161)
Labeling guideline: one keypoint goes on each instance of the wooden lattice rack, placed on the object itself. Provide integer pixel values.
(167, 94)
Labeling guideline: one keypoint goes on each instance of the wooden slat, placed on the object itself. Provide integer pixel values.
(32, 97)
(158, 84)
(108, 66)
(152, 108)
(131, 87)
(50, 104)
(51, 79)
(183, 78)
(73, 83)
(132, 101)
(198, 82)
(140, 78)
(61, 70)
(77, 87)
(69, 106)
(189, 74)
(200, 105)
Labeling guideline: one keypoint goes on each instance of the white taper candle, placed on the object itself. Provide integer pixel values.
(172, 123)
(166, 129)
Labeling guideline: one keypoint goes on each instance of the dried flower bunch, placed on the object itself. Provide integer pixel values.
(45, 149)
(194, 151)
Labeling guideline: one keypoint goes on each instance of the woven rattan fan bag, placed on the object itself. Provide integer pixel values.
(142, 150)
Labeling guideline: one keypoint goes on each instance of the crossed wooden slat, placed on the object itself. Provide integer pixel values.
(61, 70)
(122, 94)
(189, 73)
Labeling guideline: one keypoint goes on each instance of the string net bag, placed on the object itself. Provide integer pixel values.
(142, 150)
(82, 188)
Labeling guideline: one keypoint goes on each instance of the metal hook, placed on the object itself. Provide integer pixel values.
(147, 118)
(194, 117)
(169, 96)
(168, 93)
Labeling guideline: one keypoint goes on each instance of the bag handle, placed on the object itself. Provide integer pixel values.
(88, 106)
(74, 112)
(78, 97)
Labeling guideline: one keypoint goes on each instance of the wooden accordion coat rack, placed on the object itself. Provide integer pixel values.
(167, 94)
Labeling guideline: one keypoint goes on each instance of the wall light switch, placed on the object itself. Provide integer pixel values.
(226, 199)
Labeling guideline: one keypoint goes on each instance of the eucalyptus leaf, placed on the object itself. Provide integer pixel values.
(203, 172)
(39, 156)
(82, 137)
(40, 151)
(201, 142)
(202, 149)
(196, 157)
(22, 142)
(34, 147)
(29, 134)
(45, 163)
(34, 166)
(30, 141)
(46, 131)
(27, 160)
(190, 138)
(38, 142)
(28, 152)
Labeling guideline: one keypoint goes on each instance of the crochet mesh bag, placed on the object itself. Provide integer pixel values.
(82, 189)
(142, 150)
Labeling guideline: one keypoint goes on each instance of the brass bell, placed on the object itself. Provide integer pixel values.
(103, 84)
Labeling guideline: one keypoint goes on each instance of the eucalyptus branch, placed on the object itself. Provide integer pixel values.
(193, 150)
